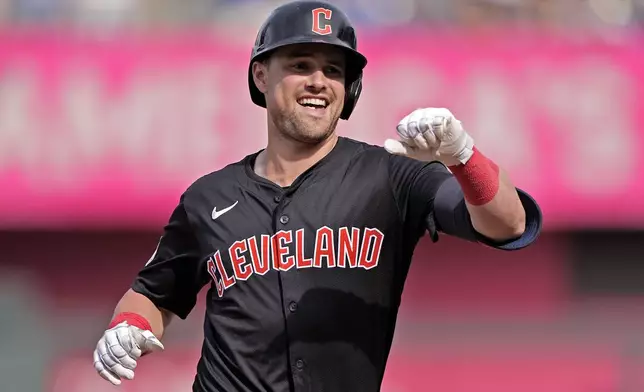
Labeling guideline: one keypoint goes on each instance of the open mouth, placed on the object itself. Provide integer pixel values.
(314, 103)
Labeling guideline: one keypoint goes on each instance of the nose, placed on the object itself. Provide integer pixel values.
(316, 81)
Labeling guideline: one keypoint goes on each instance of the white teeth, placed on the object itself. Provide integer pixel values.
(312, 101)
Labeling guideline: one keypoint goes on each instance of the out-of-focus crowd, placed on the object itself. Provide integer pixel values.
(550, 14)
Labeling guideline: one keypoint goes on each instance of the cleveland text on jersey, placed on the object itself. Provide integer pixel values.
(356, 248)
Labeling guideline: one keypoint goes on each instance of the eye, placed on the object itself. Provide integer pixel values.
(333, 70)
(300, 66)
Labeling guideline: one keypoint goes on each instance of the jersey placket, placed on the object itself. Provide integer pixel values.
(285, 219)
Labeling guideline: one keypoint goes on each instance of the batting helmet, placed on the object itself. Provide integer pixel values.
(310, 22)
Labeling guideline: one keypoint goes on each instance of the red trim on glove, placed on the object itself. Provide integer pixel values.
(479, 178)
(133, 319)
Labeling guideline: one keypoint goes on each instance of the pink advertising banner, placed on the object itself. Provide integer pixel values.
(107, 132)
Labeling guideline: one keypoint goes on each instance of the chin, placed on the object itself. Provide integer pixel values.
(312, 137)
(309, 132)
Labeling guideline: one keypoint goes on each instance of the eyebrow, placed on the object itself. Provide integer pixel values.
(303, 53)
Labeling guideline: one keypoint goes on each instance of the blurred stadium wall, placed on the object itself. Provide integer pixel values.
(109, 109)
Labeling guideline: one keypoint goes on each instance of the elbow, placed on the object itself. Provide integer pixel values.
(518, 228)
(514, 227)
(512, 223)
(502, 234)
(508, 228)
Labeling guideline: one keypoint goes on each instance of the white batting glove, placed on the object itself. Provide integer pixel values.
(118, 350)
(432, 134)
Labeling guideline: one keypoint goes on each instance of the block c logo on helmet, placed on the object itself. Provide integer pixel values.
(317, 27)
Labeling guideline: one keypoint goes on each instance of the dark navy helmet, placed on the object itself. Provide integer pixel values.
(310, 22)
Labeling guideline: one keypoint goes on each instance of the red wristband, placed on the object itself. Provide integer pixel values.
(478, 178)
(133, 319)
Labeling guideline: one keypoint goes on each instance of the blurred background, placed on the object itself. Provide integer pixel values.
(109, 109)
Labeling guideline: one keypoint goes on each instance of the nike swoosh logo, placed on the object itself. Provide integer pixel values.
(216, 214)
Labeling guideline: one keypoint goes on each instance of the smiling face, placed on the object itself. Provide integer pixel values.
(304, 90)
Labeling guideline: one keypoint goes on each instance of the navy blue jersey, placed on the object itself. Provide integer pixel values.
(304, 281)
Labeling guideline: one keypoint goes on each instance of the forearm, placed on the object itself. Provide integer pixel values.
(503, 217)
(133, 302)
(491, 198)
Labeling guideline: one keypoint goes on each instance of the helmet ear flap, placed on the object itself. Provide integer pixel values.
(351, 97)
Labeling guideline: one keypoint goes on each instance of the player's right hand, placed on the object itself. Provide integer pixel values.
(118, 350)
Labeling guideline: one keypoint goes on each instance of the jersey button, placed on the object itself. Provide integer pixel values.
(283, 219)
(292, 307)
(299, 364)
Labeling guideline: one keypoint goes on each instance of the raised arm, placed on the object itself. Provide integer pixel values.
(475, 199)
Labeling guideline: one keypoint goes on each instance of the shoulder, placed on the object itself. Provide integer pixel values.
(372, 159)
(216, 182)
(373, 153)
(362, 151)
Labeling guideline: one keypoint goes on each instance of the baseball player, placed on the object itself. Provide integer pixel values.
(306, 244)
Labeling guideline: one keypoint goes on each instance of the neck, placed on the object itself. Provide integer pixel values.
(284, 159)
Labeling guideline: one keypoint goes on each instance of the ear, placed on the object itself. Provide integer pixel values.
(259, 71)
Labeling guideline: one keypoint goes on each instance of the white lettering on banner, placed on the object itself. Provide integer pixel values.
(590, 107)
(81, 107)
(170, 117)
(497, 115)
(78, 129)
(586, 106)
(19, 141)
(175, 123)
(164, 121)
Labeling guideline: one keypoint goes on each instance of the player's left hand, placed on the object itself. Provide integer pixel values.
(432, 134)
